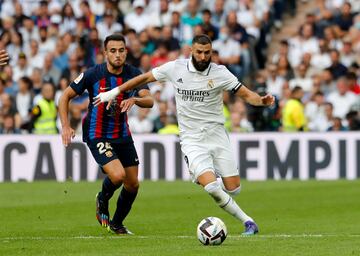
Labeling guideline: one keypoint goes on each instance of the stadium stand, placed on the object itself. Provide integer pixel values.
(272, 46)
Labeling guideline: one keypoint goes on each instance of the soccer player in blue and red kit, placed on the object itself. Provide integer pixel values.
(106, 131)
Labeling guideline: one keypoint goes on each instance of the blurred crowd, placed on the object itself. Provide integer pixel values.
(314, 74)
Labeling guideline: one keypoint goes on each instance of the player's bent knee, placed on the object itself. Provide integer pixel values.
(132, 187)
(235, 191)
(117, 178)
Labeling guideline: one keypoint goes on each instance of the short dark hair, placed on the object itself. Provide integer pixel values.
(201, 39)
(114, 37)
(296, 89)
(351, 75)
(206, 11)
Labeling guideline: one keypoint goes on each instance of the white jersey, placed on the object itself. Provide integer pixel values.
(198, 95)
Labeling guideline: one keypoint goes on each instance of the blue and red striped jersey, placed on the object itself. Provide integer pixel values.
(99, 122)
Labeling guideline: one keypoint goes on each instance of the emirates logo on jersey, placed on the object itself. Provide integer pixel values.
(210, 84)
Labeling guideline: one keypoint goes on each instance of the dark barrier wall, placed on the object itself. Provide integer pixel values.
(260, 156)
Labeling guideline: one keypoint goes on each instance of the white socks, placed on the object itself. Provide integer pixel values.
(225, 201)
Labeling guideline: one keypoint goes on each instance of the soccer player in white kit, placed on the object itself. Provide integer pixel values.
(199, 86)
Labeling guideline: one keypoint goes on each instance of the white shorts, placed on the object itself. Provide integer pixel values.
(209, 150)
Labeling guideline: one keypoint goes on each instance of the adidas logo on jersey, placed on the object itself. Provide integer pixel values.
(180, 80)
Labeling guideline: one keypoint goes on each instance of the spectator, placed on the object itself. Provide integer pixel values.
(336, 68)
(347, 55)
(36, 78)
(208, 27)
(294, 118)
(160, 120)
(63, 84)
(137, 19)
(229, 52)
(337, 125)
(8, 125)
(43, 115)
(29, 31)
(239, 122)
(345, 19)
(247, 17)
(353, 120)
(46, 44)
(24, 99)
(49, 72)
(328, 84)
(178, 6)
(301, 80)
(352, 83)
(218, 14)
(8, 108)
(37, 59)
(108, 25)
(172, 43)
(134, 53)
(177, 27)
(237, 31)
(305, 42)
(90, 18)
(274, 82)
(68, 20)
(332, 38)
(43, 16)
(15, 47)
(162, 17)
(75, 119)
(284, 68)
(81, 31)
(22, 68)
(141, 123)
(171, 126)
(145, 63)
(342, 99)
(160, 56)
(190, 18)
(315, 113)
(61, 58)
(92, 46)
(148, 45)
(97, 7)
(321, 60)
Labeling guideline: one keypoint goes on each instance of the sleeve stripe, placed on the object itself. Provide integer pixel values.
(236, 88)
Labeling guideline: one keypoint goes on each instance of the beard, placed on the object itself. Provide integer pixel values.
(115, 65)
(200, 65)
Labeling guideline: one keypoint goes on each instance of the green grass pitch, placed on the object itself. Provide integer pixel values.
(295, 218)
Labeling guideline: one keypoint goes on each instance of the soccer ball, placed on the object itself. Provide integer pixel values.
(211, 231)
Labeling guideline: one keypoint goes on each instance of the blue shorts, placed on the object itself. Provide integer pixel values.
(104, 152)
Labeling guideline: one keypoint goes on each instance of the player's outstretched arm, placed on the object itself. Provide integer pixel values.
(129, 85)
(255, 99)
(67, 133)
(4, 58)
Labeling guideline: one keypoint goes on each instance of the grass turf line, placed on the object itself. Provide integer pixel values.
(295, 218)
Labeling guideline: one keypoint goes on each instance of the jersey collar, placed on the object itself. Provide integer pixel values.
(192, 69)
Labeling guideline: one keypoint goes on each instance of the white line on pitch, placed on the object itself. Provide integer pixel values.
(7, 239)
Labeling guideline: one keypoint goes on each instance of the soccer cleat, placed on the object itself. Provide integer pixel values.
(250, 228)
(122, 230)
(102, 212)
